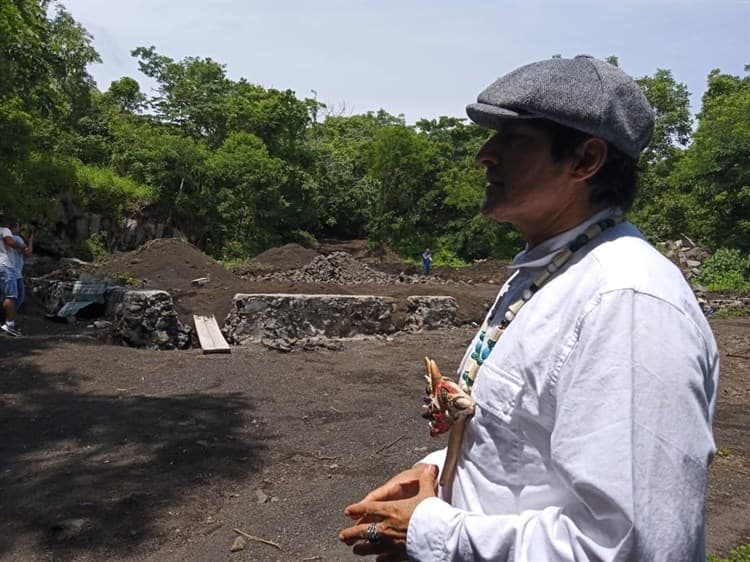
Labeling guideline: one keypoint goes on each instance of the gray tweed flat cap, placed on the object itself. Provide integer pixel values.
(582, 93)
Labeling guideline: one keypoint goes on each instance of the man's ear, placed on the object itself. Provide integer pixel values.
(589, 159)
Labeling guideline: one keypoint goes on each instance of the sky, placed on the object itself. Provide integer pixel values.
(416, 58)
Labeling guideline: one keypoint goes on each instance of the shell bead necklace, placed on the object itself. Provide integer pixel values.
(488, 338)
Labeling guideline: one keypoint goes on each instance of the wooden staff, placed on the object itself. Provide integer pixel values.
(451, 456)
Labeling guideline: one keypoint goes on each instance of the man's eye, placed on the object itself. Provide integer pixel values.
(510, 138)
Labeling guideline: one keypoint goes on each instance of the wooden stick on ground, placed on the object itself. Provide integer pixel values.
(391, 444)
(257, 539)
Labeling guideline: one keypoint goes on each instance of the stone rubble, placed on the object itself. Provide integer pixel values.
(689, 257)
(685, 255)
(338, 268)
(148, 319)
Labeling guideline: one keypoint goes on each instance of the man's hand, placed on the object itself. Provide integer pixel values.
(403, 485)
(390, 507)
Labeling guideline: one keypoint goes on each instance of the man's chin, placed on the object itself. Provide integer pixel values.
(489, 204)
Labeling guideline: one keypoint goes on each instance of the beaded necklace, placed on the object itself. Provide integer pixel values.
(443, 399)
(488, 338)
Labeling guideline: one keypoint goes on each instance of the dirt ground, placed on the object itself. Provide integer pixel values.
(114, 453)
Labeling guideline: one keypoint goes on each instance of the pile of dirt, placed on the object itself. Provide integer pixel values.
(338, 268)
(166, 263)
(289, 256)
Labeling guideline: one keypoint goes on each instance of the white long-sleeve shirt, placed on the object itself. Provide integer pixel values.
(592, 433)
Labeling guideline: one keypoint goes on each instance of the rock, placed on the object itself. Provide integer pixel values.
(239, 544)
(71, 529)
(261, 497)
(200, 281)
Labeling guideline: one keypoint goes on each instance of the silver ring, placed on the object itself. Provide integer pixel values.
(372, 534)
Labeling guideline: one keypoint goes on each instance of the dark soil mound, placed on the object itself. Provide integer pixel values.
(166, 263)
(283, 258)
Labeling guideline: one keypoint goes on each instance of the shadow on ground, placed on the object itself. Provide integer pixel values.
(98, 471)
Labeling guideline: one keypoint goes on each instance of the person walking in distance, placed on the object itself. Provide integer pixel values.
(426, 261)
(575, 434)
(19, 258)
(8, 285)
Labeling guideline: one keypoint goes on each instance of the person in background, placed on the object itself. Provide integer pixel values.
(575, 433)
(8, 285)
(19, 257)
(426, 261)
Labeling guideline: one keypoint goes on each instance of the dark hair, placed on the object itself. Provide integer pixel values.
(616, 182)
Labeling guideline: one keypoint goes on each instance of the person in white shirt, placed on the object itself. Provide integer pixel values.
(582, 420)
(19, 258)
(8, 285)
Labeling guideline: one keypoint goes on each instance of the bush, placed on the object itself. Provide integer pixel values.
(102, 190)
(91, 249)
(303, 238)
(739, 554)
(444, 256)
(726, 270)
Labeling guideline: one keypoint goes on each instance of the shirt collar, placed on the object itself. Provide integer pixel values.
(540, 255)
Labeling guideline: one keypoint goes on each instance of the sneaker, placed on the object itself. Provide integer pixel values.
(15, 332)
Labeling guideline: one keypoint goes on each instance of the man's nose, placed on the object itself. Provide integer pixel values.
(487, 155)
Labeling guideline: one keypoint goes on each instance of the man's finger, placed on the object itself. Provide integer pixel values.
(428, 481)
(394, 491)
(356, 510)
(353, 534)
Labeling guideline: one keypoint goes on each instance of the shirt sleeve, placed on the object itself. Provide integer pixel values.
(631, 443)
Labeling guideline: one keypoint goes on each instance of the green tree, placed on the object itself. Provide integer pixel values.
(125, 96)
(405, 164)
(44, 94)
(167, 160)
(714, 174)
(246, 205)
(661, 210)
(341, 148)
(191, 93)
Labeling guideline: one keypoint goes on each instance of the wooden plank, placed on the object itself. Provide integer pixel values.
(209, 335)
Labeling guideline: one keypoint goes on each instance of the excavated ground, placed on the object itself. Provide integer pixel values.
(115, 453)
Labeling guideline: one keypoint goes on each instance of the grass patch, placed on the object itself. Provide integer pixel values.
(739, 554)
(731, 312)
(102, 190)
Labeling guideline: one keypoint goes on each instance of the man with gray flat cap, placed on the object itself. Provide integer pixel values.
(580, 416)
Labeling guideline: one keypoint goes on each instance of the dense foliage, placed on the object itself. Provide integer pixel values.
(239, 167)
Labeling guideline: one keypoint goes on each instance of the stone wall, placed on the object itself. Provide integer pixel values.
(291, 318)
(74, 225)
(147, 319)
(430, 312)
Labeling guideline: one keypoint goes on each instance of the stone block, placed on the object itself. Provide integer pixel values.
(430, 313)
(285, 316)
